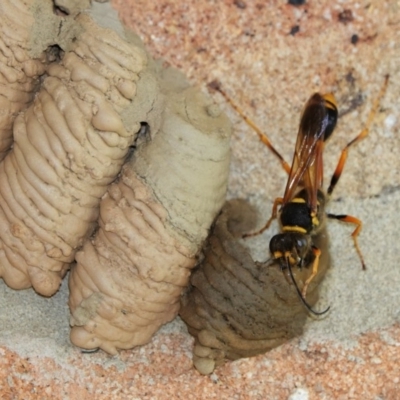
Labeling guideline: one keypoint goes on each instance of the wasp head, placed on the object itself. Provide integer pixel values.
(291, 248)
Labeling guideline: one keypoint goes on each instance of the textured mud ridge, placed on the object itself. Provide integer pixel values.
(69, 145)
(236, 307)
(19, 72)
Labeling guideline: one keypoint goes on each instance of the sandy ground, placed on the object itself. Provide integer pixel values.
(270, 57)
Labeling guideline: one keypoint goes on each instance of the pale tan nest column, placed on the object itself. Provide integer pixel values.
(129, 278)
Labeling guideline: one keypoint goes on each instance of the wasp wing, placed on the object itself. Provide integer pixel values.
(316, 125)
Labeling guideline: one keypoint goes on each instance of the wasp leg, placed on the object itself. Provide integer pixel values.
(301, 295)
(278, 201)
(317, 255)
(354, 235)
(263, 137)
(343, 157)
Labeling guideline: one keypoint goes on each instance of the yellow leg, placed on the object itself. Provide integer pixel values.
(278, 201)
(317, 254)
(352, 220)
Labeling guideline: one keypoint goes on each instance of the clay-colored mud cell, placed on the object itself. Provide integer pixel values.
(236, 307)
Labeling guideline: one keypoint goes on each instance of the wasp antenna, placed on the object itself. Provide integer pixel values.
(216, 85)
(303, 300)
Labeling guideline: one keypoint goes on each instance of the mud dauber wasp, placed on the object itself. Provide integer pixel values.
(301, 210)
